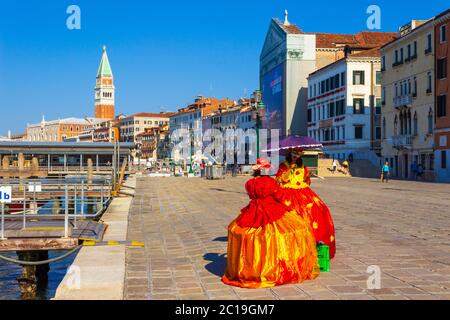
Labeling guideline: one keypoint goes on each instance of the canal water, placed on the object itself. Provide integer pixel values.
(9, 272)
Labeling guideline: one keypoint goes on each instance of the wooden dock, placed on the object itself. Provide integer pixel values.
(49, 235)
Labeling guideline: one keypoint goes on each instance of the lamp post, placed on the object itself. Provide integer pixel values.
(258, 108)
(191, 142)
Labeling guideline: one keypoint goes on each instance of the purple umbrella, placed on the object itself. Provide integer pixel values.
(301, 142)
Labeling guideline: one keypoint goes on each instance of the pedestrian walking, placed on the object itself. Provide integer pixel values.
(346, 167)
(334, 166)
(385, 172)
(414, 169)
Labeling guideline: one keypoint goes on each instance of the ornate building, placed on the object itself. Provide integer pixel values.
(104, 90)
(289, 55)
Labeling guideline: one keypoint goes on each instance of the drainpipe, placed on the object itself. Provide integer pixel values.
(371, 104)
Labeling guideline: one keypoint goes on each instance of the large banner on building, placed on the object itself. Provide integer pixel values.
(272, 92)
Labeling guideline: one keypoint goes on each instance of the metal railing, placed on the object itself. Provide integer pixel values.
(402, 140)
(39, 200)
(403, 100)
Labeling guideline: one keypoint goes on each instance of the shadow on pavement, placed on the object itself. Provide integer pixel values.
(218, 263)
(223, 190)
(221, 239)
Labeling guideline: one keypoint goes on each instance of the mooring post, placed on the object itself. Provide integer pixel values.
(25, 207)
(21, 164)
(32, 277)
(75, 209)
(66, 213)
(82, 197)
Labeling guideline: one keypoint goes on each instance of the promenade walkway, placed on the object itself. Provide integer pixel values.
(402, 227)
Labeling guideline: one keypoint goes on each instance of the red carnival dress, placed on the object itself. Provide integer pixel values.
(269, 245)
(295, 192)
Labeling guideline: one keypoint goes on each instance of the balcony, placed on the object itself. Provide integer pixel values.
(403, 101)
(402, 141)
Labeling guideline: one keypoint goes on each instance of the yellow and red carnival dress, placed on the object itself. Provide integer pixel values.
(269, 245)
(295, 192)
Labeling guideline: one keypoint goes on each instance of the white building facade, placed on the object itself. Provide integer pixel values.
(344, 106)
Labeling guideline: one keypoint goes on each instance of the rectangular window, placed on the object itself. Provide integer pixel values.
(443, 33)
(336, 81)
(442, 68)
(429, 82)
(378, 77)
(415, 88)
(358, 77)
(383, 63)
(396, 56)
(358, 132)
(358, 106)
(327, 85)
(309, 115)
(429, 44)
(414, 55)
(401, 55)
(332, 109)
(343, 82)
(443, 159)
(408, 52)
(378, 106)
(441, 106)
(378, 133)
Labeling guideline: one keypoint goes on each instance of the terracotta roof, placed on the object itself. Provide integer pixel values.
(364, 39)
(152, 114)
(375, 52)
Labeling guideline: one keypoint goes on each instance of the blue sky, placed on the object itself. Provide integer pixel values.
(162, 53)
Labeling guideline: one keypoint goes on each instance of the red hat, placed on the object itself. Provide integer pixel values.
(261, 163)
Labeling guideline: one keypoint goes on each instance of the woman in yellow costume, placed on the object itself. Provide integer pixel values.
(268, 245)
(295, 192)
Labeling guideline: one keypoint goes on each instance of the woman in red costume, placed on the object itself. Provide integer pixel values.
(295, 192)
(269, 245)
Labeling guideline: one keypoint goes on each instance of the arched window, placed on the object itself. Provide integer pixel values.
(416, 129)
(430, 121)
(409, 122)
(395, 125)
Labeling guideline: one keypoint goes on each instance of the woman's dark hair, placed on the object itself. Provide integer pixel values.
(299, 161)
(257, 173)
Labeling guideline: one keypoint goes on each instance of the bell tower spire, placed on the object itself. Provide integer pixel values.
(104, 89)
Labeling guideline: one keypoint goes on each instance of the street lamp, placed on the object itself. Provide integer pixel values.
(259, 109)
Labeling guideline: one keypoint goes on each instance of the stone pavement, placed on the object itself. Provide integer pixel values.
(402, 227)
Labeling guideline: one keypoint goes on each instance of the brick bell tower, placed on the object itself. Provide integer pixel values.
(104, 90)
